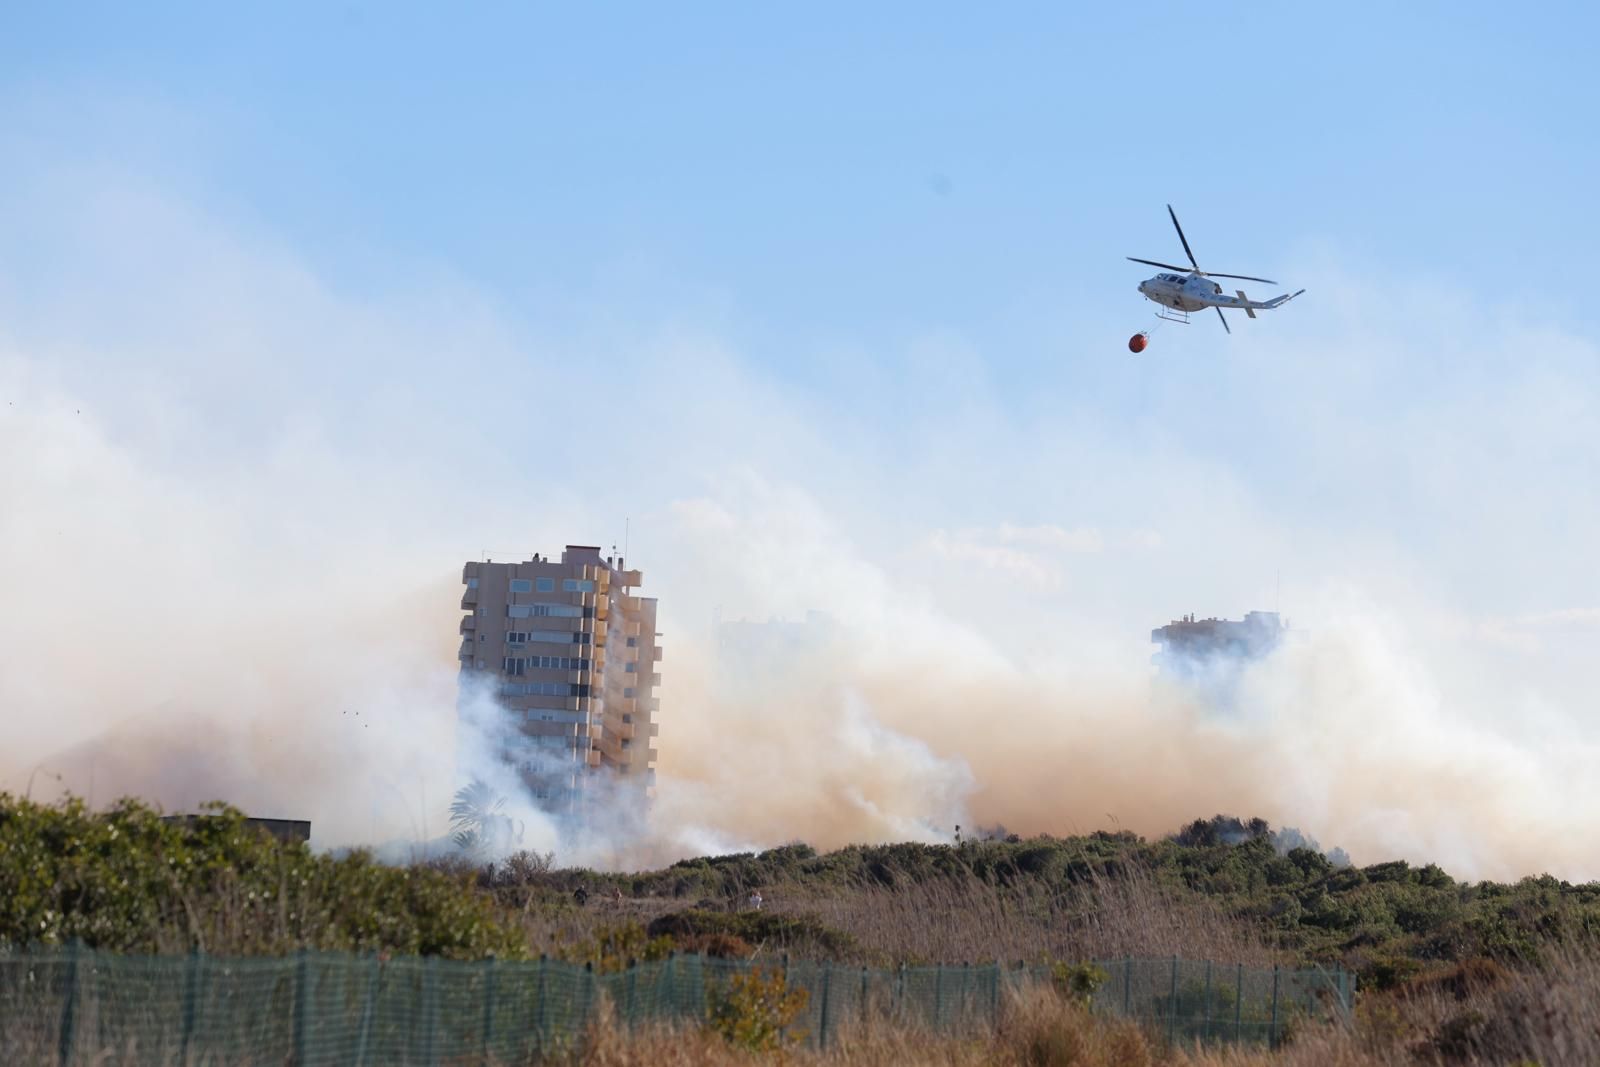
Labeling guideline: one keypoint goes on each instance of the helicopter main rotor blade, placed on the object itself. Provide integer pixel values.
(1181, 237)
(1244, 277)
(1153, 263)
(1224, 319)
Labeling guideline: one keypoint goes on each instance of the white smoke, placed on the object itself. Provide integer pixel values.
(236, 501)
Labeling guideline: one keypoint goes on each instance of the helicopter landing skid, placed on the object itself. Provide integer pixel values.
(1173, 315)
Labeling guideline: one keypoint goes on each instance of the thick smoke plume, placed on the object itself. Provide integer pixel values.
(236, 503)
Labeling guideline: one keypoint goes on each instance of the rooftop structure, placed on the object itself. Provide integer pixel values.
(1208, 654)
(1257, 634)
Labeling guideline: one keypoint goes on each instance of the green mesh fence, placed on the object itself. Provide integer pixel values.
(73, 1006)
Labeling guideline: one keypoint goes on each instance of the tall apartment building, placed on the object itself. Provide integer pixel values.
(570, 651)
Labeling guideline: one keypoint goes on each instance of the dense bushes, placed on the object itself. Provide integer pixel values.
(799, 935)
(126, 881)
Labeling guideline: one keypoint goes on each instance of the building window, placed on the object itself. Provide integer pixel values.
(627, 694)
(633, 642)
(545, 585)
(550, 663)
(631, 668)
(542, 611)
(521, 585)
(577, 585)
(539, 689)
(472, 583)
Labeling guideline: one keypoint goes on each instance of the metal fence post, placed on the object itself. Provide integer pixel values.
(69, 1004)
(1172, 1005)
(1238, 1005)
(1208, 1001)
(632, 994)
(701, 1005)
(430, 1010)
(191, 998)
(667, 975)
(1272, 1033)
(301, 999)
(938, 996)
(542, 1010)
(865, 996)
(368, 1008)
(488, 1006)
(994, 995)
(827, 976)
(900, 991)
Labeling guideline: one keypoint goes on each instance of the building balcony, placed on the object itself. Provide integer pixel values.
(468, 623)
(629, 579)
(655, 654)
(629, 603)
(469, 600)
(592, 758)
(655, 680)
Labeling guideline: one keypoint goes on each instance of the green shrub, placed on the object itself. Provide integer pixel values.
(756, 1011)
(124, 880)
(1077, 982)
(800, 935)
(611, 948)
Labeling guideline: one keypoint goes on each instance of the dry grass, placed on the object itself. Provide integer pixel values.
(1038, 1029)
(951, 921)
(1458, 1017)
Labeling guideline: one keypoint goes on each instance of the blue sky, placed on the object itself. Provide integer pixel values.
(317, 300)
(902, 167)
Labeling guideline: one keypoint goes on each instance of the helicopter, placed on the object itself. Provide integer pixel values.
(1193, 290)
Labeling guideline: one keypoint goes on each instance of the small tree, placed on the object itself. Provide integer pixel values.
(756, 1011)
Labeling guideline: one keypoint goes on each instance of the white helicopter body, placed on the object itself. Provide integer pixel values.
(1193, 289)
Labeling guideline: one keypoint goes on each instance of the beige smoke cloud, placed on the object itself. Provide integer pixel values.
(229, 545)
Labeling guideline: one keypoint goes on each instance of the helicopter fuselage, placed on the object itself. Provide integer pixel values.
(1182, 292)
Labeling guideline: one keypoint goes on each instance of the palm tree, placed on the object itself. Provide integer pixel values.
(477, 815)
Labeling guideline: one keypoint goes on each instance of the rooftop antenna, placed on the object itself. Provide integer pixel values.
(625, 522)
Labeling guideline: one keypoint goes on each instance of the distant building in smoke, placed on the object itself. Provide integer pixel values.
(571, 653)
(753, 651)
(1208, 654)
